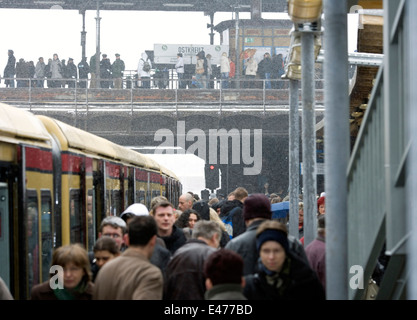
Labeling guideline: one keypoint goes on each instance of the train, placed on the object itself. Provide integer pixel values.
(57, 183)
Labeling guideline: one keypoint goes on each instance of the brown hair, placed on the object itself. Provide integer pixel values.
(74, 253)
(273, 225)
(240, 193)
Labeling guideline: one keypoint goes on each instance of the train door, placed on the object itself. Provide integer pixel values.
(4, 232)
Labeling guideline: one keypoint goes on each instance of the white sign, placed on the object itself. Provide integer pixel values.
(167, 53)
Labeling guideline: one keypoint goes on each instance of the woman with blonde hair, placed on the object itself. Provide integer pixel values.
(77, 284)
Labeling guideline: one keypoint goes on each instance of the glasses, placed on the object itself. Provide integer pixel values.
(113, 235)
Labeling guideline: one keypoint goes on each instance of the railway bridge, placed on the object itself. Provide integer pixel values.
(245, 131)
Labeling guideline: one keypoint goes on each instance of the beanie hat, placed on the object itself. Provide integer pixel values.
(257, 206)
(272, 235)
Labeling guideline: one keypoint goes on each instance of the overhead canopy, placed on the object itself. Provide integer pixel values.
(208, 6)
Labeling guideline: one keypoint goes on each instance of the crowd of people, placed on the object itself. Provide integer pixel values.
(217, 249)
(59, 73)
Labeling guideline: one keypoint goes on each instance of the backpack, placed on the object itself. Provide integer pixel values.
(146, 66)
(228, 222)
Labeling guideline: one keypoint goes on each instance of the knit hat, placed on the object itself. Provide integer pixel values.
(257, 206)
(272, 235)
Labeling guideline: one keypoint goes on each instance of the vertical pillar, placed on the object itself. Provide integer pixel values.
(411, 11)
(256, 9)
(294, 166)
(98, 45)
(337, 150)
(83, 36)
(237, 59)
(309, 136)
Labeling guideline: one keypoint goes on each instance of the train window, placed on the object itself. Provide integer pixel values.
(32, 239)
(107, 203)
(46, 229)
(76, 222)
(140, 196)
(126, 204)
(116, 203)
(155, 193)
(91, 219)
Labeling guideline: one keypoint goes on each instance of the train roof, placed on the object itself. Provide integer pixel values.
(74, 138)
(168, 172)
(15, 122)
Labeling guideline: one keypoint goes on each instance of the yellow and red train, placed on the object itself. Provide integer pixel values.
(57, 183)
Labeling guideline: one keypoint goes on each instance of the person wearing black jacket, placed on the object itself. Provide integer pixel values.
(10, 70)
(282, 275)
(231, 213)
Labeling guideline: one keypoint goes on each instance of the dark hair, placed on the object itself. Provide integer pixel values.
(224, 266)
(106, 244)
(179, 54)
(182, 221)
(141, 230)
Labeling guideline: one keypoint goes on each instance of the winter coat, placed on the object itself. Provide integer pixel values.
(316, 255)
(175, 240)
(141, 72)
(129, 277)
(228, 291)
(10, 68)
(237, 220)
(40, 70)
(296, 281)
(179, 66)
(56, 69)
(251, 67)
(224, 64)
(117, 68)
(83, 69)
(184, 274)
(105, 68)
(43, 291)
(71, 70)
(245, 245)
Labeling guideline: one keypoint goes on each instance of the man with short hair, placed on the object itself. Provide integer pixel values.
(173, 236)
(114, 227)
(231, 213)
(131, 276)
(185, 272)
(185, 201)
(117, 70)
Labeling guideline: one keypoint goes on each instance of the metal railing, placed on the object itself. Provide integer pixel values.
(366, 189)
(102, 92)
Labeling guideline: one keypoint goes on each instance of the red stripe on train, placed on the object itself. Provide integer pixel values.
(38, 159)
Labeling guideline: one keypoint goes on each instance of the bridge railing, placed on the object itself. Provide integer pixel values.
(366, 188)
(102, 92)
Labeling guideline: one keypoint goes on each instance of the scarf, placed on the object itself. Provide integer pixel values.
(71, 294)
